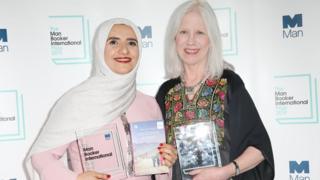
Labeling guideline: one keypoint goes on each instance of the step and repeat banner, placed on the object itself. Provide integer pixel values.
(45, 49)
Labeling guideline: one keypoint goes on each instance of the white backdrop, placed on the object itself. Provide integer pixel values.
(272, 44)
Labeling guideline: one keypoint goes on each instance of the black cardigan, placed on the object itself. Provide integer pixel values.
(243, 123)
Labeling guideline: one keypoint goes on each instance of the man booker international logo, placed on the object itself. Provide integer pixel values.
(69, 39)
(11, 116)
(4, 47)
(227, 24)
(296, 99)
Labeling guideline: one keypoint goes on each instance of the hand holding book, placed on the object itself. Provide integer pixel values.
(93, 175)
(168, 154)
(212, 173)
(197, 147)
(146, 136)
(101, 150)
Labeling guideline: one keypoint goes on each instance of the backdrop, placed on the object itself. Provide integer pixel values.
(45, 49)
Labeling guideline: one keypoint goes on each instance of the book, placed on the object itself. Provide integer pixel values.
(101, 151)
(146, 137)
(197, 147)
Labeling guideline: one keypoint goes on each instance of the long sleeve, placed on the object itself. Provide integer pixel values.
(50, 167)
(247, 129)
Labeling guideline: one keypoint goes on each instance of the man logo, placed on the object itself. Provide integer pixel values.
(299, 168)
(146, 32)
(289, 24)
(3, 35)
(107, 136)
(4, 39)
(146, 35)
(292, 22)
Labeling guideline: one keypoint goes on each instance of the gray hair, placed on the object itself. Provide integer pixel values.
(173, 65)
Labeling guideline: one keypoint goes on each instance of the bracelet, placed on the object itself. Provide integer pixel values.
(237, 169)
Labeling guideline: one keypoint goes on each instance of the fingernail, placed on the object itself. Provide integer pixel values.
(161, 144)
(108, 176)
(159, 148)
(160, 152)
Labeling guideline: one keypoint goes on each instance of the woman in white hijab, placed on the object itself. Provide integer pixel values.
(107, 97)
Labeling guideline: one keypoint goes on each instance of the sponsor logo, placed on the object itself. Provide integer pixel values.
(69, 39)
(296, 104)
(146, 35)
(228, 27)
(299, 170)
(11, 116)
(3, 35)
(107, 136)
(4, 47)
(292, 26)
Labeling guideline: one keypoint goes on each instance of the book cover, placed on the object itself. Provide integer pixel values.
(146, 137)
(197, 147)
(100, 150)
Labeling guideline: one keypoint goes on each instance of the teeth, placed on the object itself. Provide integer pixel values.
(123, 59)
(191, 51)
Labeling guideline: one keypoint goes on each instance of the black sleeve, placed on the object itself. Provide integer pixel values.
(247, 129)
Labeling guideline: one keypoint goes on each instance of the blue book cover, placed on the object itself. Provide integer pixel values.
(146, 137)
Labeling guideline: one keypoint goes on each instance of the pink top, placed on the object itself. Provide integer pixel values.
(50, 167)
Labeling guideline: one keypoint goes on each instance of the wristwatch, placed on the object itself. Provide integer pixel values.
(237, 169)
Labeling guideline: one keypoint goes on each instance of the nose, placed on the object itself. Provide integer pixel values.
(123, 49)
(191, 39)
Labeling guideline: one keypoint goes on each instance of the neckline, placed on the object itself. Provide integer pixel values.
(190, 103)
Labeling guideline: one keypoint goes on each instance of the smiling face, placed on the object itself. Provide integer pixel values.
(121, 51)
(192, 41)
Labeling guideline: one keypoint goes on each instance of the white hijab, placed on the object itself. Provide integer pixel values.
(95, 102)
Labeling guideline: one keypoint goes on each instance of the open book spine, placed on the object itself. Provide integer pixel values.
(126, 126)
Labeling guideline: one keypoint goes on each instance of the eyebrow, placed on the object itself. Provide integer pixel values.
(117, 38)
(132, 39)
(113, 38)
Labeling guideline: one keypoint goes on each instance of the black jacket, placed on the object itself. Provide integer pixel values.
(242, 121)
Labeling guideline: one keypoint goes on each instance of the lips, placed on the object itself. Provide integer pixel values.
(123, 59)
(191, 51)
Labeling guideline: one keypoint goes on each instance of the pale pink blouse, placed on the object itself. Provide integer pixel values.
(50, 167)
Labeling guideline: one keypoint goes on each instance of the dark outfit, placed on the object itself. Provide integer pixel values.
(242, 126)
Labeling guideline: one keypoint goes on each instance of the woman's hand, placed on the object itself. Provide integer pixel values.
(168, 154)
(91, 175)
(212, 173)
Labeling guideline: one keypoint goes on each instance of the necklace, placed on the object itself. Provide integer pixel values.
(190, 89)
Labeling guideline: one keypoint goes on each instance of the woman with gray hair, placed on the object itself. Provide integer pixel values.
(201, 88)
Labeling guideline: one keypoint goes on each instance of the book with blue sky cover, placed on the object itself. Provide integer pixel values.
(146, 137)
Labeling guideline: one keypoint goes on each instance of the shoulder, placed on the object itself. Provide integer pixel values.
(233, 79)
(143, 96)
(145, 99)
(167, 85)
(144, 107)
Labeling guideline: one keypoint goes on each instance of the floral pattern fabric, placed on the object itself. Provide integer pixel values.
(208, 103)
